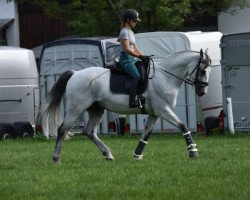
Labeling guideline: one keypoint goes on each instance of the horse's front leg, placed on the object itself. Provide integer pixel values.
(193, 151)
(169, 116)
(95, 117)
(138, 153)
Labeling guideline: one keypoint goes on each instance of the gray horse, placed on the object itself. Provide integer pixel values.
(89, 90)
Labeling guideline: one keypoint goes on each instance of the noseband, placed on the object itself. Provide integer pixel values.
(196, 81)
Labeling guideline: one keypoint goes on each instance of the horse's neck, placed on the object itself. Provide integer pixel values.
(178, 64)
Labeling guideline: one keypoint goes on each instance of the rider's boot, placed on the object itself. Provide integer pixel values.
(133, 103)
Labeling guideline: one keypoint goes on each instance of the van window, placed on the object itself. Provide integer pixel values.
(57, 59)
(112, 52)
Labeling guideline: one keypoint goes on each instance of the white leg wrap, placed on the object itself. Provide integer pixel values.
(138, 157)
(187, 133)
(193, 149)
(192, 145)
(143, 141)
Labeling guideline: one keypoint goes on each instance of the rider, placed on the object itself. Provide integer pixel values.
(129, 51)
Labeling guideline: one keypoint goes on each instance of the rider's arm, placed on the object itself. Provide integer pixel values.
(126, 47)
(137, 50)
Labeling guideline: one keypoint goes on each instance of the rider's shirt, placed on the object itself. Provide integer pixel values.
(129, 35)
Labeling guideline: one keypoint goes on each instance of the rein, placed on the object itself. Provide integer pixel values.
(150, 60)
(189, 80)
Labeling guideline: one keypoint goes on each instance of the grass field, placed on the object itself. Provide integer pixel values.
(166, 172)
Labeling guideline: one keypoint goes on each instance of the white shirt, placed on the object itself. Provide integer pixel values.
(129, 35)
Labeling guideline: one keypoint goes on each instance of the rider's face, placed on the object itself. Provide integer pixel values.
(133, 23)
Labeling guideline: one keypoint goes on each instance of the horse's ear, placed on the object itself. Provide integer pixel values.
(201, 53)
(206, 52)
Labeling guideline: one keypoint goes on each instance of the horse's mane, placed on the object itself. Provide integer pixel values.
(170, 58)
(176, 53)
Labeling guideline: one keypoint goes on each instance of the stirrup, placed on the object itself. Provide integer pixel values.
(134, 104)
(140, 103)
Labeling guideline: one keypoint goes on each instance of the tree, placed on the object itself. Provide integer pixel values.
(205, 10)
(103, 17)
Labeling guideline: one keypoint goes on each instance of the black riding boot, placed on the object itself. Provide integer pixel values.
(132, 93)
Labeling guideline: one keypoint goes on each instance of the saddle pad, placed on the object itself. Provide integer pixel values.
(120, 83)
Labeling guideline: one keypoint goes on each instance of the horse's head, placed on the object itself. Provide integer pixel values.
(203, 70)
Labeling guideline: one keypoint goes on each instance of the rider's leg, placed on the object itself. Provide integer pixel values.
(133, 103)
(127, 64)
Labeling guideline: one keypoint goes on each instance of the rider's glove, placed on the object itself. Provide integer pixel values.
(144, 59)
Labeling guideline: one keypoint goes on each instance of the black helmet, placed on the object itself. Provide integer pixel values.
(130, 14)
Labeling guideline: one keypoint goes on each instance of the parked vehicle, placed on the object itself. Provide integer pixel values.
(162, 44)
(235, 62)
(211, 103)
(76, 54)
(19, 92)
(80, 53)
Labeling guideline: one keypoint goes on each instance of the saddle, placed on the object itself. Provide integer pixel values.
(120, 80)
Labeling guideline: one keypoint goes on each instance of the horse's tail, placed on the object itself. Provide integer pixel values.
(50, 116)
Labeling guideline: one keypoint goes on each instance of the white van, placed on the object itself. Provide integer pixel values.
(19, 92)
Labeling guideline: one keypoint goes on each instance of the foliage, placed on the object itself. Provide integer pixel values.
(102, 17)
(221, 172)
(202, 10)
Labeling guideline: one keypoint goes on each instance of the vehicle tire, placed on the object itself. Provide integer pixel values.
(6, 132)
(23, 129)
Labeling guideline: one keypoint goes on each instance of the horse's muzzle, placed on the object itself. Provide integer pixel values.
(200, 94)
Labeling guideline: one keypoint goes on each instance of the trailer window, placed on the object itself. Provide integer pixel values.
(57, 59)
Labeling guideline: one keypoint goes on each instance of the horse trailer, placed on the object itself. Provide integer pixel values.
(76, 54)
(211, 103)
(162, 44)
(19, 92)
(80, 53)
(235, 61)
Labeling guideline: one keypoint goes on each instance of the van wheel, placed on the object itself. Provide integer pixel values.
(27, 131)
(23, 129)
(6, 132)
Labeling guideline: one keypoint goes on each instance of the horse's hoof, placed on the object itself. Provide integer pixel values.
(56, 160)
(108, 156)
(138, 157)
(193, 154)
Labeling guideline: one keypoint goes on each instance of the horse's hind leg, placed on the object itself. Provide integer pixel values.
(169, 116)
(73, 113)
(61, 134)
(138, 153)
(95, 117)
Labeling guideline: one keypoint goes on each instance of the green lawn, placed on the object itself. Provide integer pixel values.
(166, 172)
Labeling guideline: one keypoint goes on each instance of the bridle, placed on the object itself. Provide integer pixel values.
(196, 81)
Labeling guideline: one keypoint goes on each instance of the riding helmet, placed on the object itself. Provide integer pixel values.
(131, 14)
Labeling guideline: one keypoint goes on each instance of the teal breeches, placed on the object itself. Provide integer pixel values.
(127, 63)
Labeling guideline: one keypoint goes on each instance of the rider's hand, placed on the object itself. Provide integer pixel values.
(144, 59)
